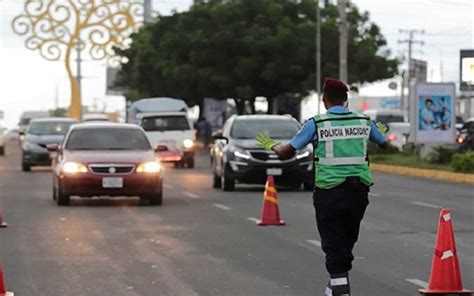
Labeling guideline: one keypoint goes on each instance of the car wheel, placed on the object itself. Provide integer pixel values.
(190, 163)
(62, 200)
(2, 150)
(216, 181)
(25, 167)
(228, 183)
(156, 199)
(308, 186)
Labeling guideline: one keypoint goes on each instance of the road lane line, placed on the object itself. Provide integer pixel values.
(168, 186)
(418, 282)
(191, 195)
(374, 194)
(314, 242)
(422, 204)
(253, 219)
(222, 207)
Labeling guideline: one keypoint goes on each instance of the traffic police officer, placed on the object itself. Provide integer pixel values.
(342, 176)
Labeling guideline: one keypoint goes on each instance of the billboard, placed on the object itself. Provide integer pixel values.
(433, 118)
(467, 70)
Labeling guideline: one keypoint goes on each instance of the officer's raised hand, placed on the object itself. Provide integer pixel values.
(383, 128)
(266, 142)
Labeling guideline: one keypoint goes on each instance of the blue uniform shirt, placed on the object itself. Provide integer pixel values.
(308, 135)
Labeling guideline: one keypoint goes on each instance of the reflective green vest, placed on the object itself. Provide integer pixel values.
(341, 148)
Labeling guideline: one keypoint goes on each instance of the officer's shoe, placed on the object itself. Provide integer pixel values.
(338, 285)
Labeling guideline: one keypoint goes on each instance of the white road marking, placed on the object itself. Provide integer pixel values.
(253, 219)
(374, 194)
(191, 195)
(314, 242)
(419, 203)
(168, 186)
(222, 207)
(418, 282)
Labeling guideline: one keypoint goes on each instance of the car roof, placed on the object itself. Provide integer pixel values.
(54, 119)
(264, 117)
(154, 114)
(104, 124)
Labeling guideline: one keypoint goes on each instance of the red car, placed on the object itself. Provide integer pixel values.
(106, 159)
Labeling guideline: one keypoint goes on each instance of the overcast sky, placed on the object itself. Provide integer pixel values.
(28, 82)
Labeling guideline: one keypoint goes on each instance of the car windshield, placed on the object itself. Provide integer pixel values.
(49, 127)
(107, 139)
(277, 129)
(399, 128)
(165, 123)
(387, 118)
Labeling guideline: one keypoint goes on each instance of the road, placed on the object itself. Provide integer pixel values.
(203, 241)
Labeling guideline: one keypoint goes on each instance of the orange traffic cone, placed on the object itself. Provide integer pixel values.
(445, 275)
(270, 211)
(3, 291)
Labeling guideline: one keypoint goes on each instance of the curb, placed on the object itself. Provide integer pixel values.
(423, 173)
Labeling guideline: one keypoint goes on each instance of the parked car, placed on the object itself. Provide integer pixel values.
(398, 133)
(40, 133)
(236, 158)
(106, 159)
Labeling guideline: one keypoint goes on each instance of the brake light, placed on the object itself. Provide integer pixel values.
(460, 139)
(392, 137)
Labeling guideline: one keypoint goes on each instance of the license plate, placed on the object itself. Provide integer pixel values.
(274, 172)
(112, 182)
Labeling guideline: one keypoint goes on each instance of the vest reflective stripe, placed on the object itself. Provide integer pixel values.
(341, 160)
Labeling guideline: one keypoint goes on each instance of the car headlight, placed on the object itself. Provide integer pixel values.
(241, 154)
(188, 143)
(302, 155)
(74, 168)
(149, 167)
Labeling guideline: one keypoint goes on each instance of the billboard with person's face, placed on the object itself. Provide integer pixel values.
(434, 113)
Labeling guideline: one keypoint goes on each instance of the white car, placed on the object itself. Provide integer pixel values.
(398, 133)
(174, 131)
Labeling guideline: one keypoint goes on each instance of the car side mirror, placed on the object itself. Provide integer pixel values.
(53, 147)
(161, 148)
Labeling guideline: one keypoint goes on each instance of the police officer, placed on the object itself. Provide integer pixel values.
(342, 176)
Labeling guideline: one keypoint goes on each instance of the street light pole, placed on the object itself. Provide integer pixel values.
(147, 7)
(318, 55)
(342, 6)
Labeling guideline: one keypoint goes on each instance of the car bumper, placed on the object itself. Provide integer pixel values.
(256, 173)
(91, 185)
(36, 158)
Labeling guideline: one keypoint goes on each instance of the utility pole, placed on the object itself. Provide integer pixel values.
(147, 8)
(318, 54)
(410, 41)
(342, 6)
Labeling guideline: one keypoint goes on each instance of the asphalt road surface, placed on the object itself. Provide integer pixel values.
(203, 241)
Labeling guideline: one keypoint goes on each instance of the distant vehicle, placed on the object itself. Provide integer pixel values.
(387, 115)
(236, 158)
(459, 122)
(13, 134)
(2, 141)
(94, 117)
(465, 139)
(166, 123)
(40, 133)
(27, 116)
(106, 159)
(398, 134)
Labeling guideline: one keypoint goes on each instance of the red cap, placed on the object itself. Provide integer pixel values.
(332, 84)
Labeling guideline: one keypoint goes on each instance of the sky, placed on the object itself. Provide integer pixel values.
(28, 82)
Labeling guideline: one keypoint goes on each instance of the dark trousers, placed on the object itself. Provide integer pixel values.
(339, 211)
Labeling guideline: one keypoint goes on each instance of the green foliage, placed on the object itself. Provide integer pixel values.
(441, 154)
(463, 162)
(248, 48)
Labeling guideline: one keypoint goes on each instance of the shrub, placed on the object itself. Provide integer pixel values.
(441, 155)
(463, 162)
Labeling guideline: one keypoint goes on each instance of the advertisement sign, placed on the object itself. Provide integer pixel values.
(467, 70)
(433, 113)
(214, 111)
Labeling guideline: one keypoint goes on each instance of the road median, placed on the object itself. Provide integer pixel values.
(424, 173)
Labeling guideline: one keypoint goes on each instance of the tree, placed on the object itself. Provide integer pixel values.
(57, 28)
(247, 48)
